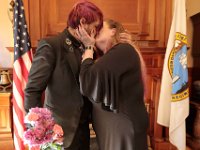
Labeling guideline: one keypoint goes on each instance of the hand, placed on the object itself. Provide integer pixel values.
(125, 37)
(84, 37)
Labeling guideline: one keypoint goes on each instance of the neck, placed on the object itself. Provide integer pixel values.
(109, 46)
(73, 33)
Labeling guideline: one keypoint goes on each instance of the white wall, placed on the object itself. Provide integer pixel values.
(6, 35)
(193, 7)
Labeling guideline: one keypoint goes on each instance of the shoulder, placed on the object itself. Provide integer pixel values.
(123, 46)
(127, 49)
(122, 49)
(54, 40)
(50, 42)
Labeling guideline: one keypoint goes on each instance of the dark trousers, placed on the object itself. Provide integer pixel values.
(81, 140)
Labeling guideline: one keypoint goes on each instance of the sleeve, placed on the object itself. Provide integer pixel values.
(41, 69)
(99, 84)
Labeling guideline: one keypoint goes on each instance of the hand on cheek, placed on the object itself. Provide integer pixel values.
(85, 38)
(125, 37)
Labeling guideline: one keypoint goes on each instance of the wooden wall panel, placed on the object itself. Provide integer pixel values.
(163, 19)
(130, 12)
(148, 19)
(34, 21)
(5, 120)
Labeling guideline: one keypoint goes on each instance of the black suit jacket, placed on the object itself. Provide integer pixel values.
(55, 68)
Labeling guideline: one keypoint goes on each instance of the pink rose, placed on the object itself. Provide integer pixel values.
(35, 147)
(57, 129)
(32, 117)
(39, 132)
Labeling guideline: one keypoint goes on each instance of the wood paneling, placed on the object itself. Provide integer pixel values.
(5, 122)
(148, 19)
(154, 59)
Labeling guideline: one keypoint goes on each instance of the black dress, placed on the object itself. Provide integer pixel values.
(114, 85)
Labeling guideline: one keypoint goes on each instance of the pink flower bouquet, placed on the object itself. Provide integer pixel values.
(42, 132)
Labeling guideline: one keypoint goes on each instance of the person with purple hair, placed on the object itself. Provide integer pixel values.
(55, 70)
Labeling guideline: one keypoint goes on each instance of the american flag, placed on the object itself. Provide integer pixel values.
(22, 64)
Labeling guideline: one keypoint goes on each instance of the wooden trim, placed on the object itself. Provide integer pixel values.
(6, 140)
(10, 49)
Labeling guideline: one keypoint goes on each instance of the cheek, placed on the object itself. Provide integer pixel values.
(102, 41)
(103, 35)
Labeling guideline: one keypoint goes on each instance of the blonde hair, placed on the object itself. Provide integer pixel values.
(115, 25)
(120, 29)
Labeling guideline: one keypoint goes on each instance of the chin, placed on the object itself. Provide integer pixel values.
(100, 48)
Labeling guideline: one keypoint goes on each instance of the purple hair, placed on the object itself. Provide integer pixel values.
(86, 10)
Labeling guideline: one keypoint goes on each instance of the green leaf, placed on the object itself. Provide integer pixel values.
(51, 146)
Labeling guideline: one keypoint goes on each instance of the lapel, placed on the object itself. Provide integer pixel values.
(69, 47)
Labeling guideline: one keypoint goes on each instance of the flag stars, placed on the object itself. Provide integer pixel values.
(21, 15)
(21, 37)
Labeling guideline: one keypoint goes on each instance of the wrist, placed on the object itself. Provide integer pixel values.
(88, 54)
(89, 47)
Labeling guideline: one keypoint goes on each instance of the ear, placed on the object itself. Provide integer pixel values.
(113, 31)
(82, 21)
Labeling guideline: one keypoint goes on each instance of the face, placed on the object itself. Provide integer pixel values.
(104, 38)
(90, 27)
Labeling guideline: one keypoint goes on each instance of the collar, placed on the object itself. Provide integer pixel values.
(70, 39)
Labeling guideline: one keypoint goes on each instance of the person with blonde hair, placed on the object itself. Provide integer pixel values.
(115, 86)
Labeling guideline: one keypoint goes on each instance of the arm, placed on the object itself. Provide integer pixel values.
(86, 75)
(40, 72)
(91, 80)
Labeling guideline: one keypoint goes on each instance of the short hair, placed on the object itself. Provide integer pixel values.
(87, 10)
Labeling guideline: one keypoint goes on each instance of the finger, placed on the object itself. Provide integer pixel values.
(123, 37)
(123, 41)
(125, 34)
(127, 31)
(78, 33)
(82, 31)
(93, 33)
